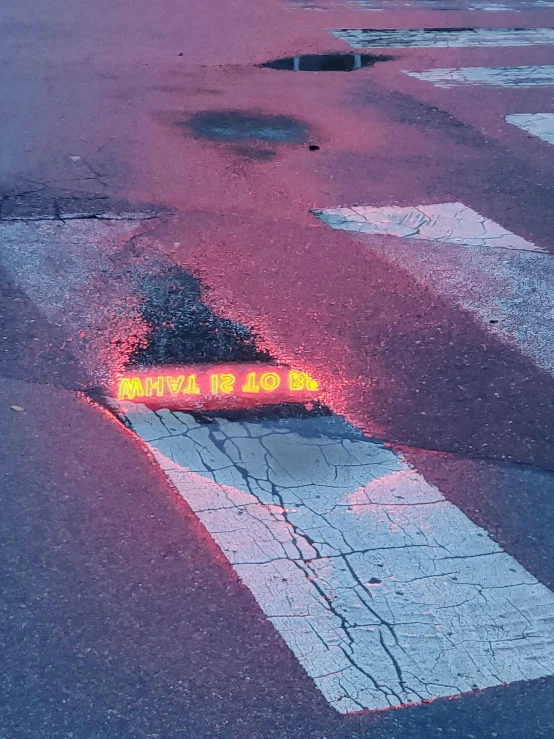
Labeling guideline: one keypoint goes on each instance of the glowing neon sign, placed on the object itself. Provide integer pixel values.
(216, 386)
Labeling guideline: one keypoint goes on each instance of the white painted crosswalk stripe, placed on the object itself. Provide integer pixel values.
(538, 124)
(371, 38)
(386, 593)
(529, 76)
(512, 287)
(449, 223)
(490, 6)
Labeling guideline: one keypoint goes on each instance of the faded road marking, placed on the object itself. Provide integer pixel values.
(513, 288)
(491, 6)
(386, 593)
(538, 124)
(498, 76)
(370, 38)
(449, 223)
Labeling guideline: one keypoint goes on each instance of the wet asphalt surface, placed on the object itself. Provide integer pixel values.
(120, 617)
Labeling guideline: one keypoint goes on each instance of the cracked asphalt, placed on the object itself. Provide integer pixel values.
(377, 566)
(322, 505)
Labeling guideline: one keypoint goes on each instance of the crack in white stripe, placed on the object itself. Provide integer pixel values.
(538, 124)
(370, 38)
(538, 76)
(386, 593)
(511, 286)
(448, 223)
(487, 5)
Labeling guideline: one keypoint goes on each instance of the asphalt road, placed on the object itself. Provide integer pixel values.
(157, 196)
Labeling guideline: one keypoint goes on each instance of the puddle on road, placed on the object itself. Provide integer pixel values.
(230, 126)
(326, 62)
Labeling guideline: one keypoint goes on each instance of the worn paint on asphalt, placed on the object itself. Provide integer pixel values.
(536, 76)
(509, 291)
(491, 6)
(540, 125)
(449, 223)
(370, 38)
(386, 593)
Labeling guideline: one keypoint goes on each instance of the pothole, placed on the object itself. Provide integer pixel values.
(326, 62)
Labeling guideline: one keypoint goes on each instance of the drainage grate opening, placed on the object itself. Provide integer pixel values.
(326, 62)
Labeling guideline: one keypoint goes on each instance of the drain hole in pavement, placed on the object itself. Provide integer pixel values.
(313, 147)
(326, 62)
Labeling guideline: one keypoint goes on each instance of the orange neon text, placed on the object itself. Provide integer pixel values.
(215, 384)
